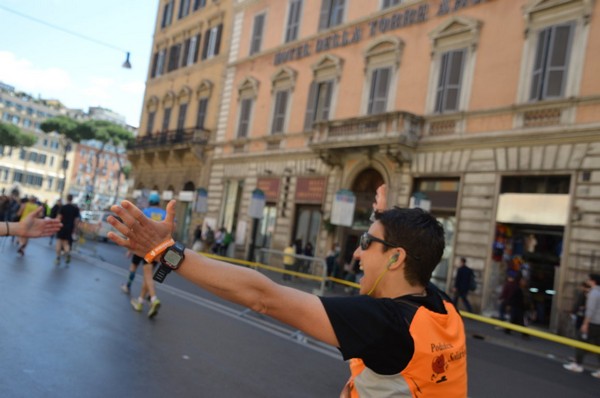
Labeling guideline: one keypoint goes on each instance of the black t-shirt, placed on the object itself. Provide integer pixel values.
(377, 330)
(69, 213)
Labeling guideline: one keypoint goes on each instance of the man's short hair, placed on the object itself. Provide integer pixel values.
(595, 278)
(420, 235)
(69, 197)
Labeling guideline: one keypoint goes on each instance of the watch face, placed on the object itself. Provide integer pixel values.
(172, 258)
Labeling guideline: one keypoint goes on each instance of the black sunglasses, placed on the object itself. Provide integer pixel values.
(366, 239)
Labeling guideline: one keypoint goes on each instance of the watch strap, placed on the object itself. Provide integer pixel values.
(161, 273)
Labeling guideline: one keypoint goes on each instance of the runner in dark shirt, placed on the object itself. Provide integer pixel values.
(69, 216)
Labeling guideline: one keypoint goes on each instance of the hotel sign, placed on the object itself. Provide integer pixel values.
(401, 19)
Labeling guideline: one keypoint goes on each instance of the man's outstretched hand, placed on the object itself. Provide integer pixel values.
(141, 233)
(33, 226)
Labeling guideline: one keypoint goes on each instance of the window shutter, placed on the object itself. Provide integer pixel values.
(327, 88)
(154, 64)
(166, 119)
(454, 78)
(337, 13)
(196, 47)
(186, 52)
(558, 57)
(218, 39)
(279, 112)
(181, 117)
(291, 33)
(379, 90)
(206, 40)
(309, 117)
(325, 12)
(202, 107)
(246, 107)
(257, 33)
(538, 66)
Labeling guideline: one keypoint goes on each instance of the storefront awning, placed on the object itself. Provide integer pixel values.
(528, 208)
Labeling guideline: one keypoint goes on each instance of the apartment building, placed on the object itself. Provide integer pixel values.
(484, 112)
(38, 170)
(183, 95)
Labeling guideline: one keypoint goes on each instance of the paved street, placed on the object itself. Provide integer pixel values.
(71, 332)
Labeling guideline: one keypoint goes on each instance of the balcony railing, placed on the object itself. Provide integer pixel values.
(170, 138)
(392, 127)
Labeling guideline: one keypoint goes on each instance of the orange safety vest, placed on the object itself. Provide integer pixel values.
(438, 367)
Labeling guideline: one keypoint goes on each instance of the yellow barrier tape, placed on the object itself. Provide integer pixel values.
(533, 332)
(491, 321)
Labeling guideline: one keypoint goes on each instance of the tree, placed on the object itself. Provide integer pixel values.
(107, 133)
(68, 130)
(11, 135)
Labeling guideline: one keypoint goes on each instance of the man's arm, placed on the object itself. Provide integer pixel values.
(240, 285)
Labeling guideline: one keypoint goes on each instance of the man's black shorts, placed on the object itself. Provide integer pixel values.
(137, 259)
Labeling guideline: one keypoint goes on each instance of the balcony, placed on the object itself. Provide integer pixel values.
(172, 139)
(395, 133)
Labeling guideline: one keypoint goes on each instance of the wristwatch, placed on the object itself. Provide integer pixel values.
(169, 261)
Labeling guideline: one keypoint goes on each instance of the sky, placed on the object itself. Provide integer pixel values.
(49, 63)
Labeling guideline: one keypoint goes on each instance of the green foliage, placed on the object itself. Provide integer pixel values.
(11, 135)
(64, 126)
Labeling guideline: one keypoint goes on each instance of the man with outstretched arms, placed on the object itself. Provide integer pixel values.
(403, 337)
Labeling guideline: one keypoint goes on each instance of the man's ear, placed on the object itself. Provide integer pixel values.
(393, 259)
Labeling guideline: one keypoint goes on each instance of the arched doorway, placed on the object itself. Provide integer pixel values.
(364, 188)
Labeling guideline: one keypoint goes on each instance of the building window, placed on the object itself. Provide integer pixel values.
(212, 42)
(332, 13)
(319, 103)
(293, 22)
(158, 63)
(449, 82)
(378, 93)
(280, 111)
(50, 181)
(150, 125)
(190, 50)
(166, 120)
(167, 14)
(181, 117)
(551, 62)
(199, 4)
(257, 33)
(174, 53)
(390, 3)
(245, 112)
(202, 109)
(454, 52)
(184, 8)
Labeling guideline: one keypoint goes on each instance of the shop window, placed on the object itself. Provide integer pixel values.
(293, 22)
(308, 222)
(231, 204)
(266, 227)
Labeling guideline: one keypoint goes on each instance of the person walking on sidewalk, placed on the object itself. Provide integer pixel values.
(69, 216)
(403, 335)
(590, 328)
(462, 284)
(54, 214)
(155, 213)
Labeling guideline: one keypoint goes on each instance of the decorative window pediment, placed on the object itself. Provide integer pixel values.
(328, 67)
(455, 32)
(152, 103)
(284, 78)
(168, 99)
(248, 87)
(184, 95)
(385, 50)
(545, 12)
(204, 89)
